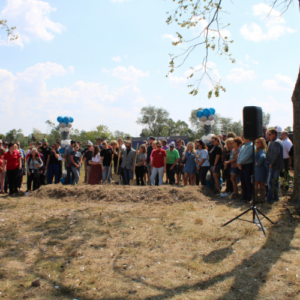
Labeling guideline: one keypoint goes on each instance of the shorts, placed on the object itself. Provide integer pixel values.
(179, 169)
(217, 170)
(235, 171)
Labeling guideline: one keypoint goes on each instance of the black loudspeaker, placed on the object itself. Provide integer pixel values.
(253, 122)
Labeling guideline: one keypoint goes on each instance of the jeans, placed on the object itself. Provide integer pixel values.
(202, 175)
(105, 172)
(160, 172)
(76, 173)
(53, 170)
(12, 176)
(69, 172)
(273, 185)
(171, 173)
(245, 175)
(127, 175)
(149, 170)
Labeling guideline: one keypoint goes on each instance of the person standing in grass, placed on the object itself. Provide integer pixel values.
(234, 170)
(215, 161)
(180, 148)
(128, 162)
(172, 161)
(53, 165)
(202, 161)
(88, 154)
(261, 169)
(140, 165)
(76, 161)
(190, 167)
(227, 167)
(13, 163)
(158, 164)
(34, 163)
(107, 156)
(2, 170)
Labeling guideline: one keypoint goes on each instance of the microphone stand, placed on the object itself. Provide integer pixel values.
(253, 208)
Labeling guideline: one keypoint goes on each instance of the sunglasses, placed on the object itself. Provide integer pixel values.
(158, 146)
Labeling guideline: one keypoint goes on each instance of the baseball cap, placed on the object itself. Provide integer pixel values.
(99, 139)
(172, 144)
(44, 140)
(89, 143)
(151, 138)
(39, 143)
(73, 142)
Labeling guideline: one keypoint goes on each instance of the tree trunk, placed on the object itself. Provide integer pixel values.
(296, 108)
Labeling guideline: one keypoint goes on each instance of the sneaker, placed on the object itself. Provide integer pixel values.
(224, 195)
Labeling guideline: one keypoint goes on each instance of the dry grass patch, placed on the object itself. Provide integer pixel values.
(152, 243)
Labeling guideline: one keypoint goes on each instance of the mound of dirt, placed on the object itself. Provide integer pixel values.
(114, 193)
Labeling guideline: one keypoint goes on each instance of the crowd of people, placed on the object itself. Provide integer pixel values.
(228, 158)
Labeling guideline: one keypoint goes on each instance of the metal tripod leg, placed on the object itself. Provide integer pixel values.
(261, 225)
(264, 216)
(237, 217)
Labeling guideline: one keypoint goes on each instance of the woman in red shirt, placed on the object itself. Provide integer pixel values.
(2, 171)
(13, 163)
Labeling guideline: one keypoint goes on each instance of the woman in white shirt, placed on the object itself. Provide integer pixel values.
(202, 162)
(96, 167)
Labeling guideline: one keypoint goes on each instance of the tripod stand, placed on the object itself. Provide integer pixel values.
(253, 208)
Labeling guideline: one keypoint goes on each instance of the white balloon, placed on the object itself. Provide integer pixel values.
(203, 118)
(212, 122)
(62, 125)
(211, 117)
(207, 122)
(69, 125)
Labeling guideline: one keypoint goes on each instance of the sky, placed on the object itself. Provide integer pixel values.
(100, 62)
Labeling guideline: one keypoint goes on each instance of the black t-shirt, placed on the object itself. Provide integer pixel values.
(88, 156)
(46, 151)
(76, 157)
(116, 157)
(106, 154)
(53, 159)
(81, 150)
(213, 153)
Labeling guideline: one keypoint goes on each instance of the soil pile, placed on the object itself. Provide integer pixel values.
(114, 193)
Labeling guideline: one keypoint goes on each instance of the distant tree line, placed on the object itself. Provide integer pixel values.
(156, 122)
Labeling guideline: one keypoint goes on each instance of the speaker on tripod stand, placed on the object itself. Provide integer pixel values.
(253, 129)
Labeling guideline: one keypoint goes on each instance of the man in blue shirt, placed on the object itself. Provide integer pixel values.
(245, 164)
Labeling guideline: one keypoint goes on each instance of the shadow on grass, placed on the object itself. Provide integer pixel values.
(260, 257)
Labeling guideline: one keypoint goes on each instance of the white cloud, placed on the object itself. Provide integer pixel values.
(255, 62)
(239, 75)
(117, 58)
(279, 83)
(31, 17)
(130, 74)
(271, 105)
(171, 37)
(272, 20)
(26, 97)
(247, 57)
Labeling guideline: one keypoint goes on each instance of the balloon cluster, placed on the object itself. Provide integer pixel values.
(65, 128)
(206, 116)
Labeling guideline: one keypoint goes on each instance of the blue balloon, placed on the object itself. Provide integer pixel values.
(62, 180)
(59, 119)
(212, 111)
(61, 150)
(66, 120)
(206, 112)
(199, 113)
(71, 120)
